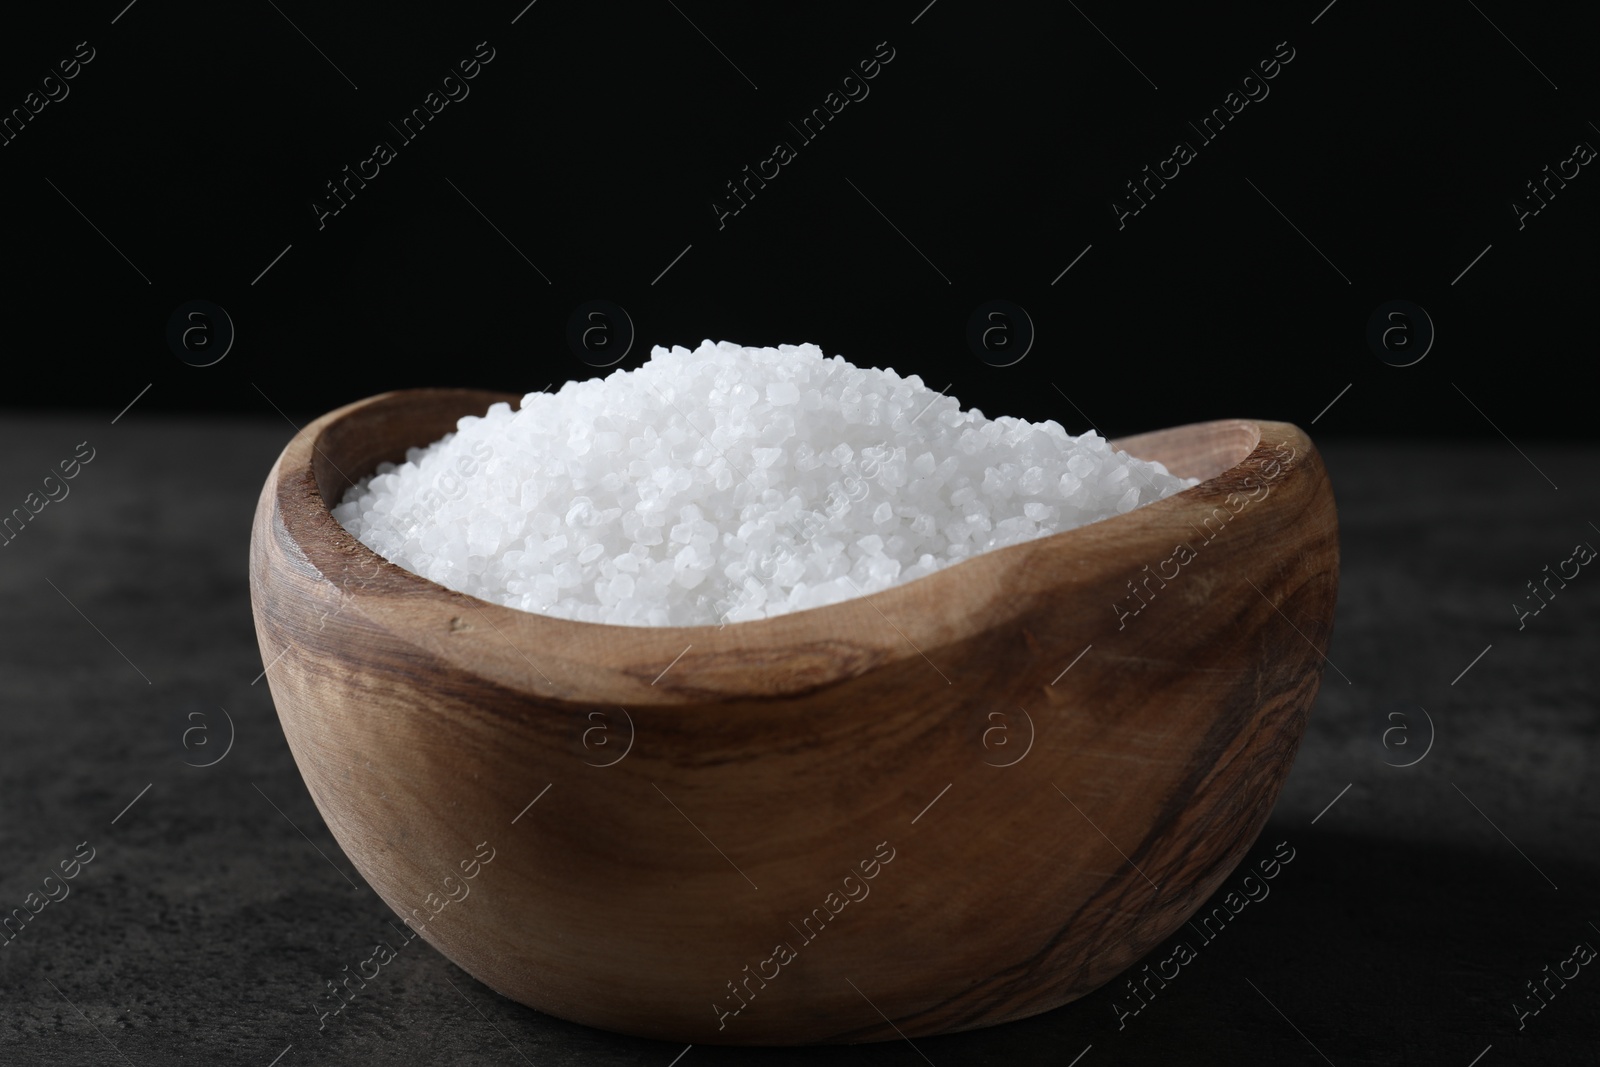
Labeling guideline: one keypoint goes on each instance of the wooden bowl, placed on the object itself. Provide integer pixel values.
(925, 810)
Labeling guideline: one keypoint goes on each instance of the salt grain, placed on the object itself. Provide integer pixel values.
(727, 484)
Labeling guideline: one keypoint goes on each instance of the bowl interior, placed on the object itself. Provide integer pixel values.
(788, 653)
(350, 448)
(1201, 450)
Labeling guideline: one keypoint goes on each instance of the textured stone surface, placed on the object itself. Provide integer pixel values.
(206, 925)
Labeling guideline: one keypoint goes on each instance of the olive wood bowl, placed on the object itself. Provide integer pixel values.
(962, 800)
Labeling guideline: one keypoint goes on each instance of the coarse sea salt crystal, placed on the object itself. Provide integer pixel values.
(726, 484)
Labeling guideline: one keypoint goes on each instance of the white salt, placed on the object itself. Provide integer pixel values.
(728, 484)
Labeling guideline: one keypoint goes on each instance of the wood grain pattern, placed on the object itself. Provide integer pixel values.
(653, 896)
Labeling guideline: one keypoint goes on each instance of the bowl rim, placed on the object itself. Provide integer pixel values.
(579, 648)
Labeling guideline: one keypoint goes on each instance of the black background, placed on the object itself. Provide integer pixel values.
(996, 140)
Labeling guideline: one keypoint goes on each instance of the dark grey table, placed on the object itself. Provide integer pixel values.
(1420, 900)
